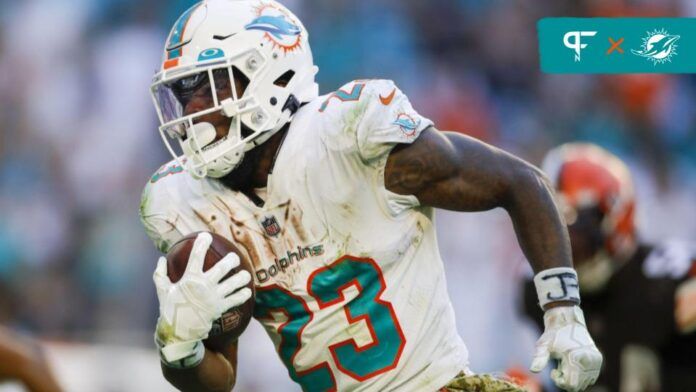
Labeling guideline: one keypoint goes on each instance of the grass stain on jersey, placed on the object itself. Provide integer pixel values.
(352, 118)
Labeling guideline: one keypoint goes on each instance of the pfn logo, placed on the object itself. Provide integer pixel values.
(573, 40)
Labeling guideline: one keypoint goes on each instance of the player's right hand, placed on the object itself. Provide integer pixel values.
(189, 306)
(566, 339)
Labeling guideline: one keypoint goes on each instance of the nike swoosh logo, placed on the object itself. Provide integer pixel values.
(222, 37)
(387, 100)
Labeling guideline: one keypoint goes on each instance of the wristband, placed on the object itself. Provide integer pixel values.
(182, 355)
(557, 284)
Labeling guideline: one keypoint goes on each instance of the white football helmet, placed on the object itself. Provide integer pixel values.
(258, 42)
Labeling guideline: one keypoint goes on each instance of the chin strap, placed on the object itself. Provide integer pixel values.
(204, 133)
(292, 105)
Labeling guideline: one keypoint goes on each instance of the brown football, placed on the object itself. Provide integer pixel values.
(227, 328)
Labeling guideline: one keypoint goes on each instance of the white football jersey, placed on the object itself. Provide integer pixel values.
(349, 280)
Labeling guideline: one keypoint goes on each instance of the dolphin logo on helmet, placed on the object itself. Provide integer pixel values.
(278, 26)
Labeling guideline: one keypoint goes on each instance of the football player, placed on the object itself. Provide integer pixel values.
(331, 198)
(640, 299)
(22, 360)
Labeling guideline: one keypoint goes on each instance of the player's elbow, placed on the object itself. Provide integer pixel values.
(539, 179)
(527, 186)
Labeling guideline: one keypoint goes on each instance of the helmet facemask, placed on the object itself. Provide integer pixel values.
(214, 88)
(220, 45)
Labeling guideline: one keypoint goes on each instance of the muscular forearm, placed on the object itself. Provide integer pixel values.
(214, 374)
(539, 227)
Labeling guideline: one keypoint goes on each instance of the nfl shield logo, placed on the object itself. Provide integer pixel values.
(271, 226)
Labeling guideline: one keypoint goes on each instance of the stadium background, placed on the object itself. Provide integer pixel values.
(78, 141)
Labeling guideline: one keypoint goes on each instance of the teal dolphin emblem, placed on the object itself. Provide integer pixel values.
(278, 26)
(658, 46)
(407, 124)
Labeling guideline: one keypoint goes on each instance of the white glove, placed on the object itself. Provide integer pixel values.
(566, 339)
(189, 307)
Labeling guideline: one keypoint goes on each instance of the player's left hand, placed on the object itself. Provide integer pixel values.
(566, 339)
(189, 306)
